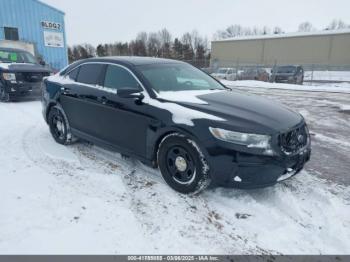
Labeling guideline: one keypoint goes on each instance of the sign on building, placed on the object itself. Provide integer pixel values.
(51, 25)
(53, 39)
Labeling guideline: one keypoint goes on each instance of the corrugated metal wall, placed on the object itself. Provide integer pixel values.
(332, 50)
(27, 15)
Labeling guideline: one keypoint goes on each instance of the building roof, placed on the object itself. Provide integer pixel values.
(288, 35)
(49, 6)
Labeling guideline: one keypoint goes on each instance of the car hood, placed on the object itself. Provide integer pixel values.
(246, 113)
(19, 67)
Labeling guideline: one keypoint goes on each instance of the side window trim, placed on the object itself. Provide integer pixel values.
(142, 88)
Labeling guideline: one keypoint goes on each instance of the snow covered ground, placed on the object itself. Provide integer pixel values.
(328, 76)
(316, 87)
(82, 199)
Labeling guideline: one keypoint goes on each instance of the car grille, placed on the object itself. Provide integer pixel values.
(293, 141)
(31, 77)
(281, 78)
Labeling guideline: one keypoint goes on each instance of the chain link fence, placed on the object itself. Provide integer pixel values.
(313, 74)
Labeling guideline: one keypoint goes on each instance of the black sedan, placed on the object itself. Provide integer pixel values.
(170, 115)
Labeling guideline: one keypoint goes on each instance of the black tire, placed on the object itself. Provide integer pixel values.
(4, 96)
(301, 81)
(183, 165)
(59, 127)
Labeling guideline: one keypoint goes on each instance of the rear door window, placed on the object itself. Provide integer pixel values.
(90, 74)
(117, 77)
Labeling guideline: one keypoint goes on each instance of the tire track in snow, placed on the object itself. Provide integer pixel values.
(219, 221)
(166, 215)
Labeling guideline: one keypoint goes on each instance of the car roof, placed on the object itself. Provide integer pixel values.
(133, 60)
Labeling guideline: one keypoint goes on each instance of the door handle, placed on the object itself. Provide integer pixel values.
(103, 100)
(65, 90)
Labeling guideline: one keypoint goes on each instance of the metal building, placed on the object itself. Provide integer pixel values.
(328, 48)
(34, 22)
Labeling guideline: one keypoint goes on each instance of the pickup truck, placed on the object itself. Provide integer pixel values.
(20, 74)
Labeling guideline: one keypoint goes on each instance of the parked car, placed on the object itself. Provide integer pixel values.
(293, 74)
(225, 73)
(20, 74)
(258, 74)
(171, 115)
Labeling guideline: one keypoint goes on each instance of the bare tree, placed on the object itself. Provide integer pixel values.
(266, 30)
(153, 45)
(231, 31)
(277, 30)
(89, 49)
(337, 24)
(142, 36)
(191, 47)
(101, 50)
(306, 27)
(165, 39)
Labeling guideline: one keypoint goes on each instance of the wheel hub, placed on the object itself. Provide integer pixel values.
(59, 126)
(181, 164)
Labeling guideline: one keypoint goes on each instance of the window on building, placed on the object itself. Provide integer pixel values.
(11, 33)
(90, 74)
(117, 78)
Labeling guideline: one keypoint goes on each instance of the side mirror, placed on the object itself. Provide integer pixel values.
(130, 93)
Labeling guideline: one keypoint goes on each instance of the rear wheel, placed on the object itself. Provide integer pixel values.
(4, 96)
(301, 81)
(59, 127)
(183, 165)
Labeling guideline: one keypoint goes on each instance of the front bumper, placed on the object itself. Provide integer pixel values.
(24, 89)
(284, 80)
(231, 168)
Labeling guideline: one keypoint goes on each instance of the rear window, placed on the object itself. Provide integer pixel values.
(286, 69)
(90, 74)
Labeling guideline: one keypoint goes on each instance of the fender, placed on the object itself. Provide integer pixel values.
(153, 146)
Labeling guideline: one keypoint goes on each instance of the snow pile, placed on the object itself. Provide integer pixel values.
(181, 114)
(328, 76)
(337, 88)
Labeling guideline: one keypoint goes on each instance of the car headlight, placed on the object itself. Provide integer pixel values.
(244, 139)
(9, 76)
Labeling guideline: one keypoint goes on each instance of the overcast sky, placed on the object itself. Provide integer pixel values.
(96, 21)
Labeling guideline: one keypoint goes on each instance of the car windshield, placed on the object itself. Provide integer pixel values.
(286, 69)
(178, 77)
(12, 56)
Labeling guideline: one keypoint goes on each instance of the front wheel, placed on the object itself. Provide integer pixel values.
(183, 165)
(4, 96)
(59, 127)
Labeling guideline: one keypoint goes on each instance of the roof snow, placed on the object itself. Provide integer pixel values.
(288, 35)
